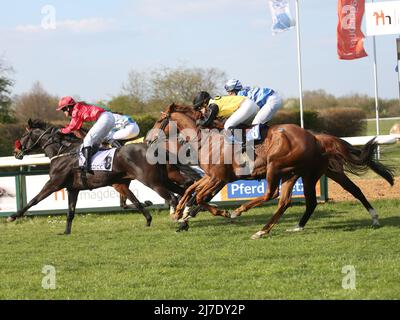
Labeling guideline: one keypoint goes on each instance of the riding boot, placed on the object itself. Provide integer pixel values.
(87, 153)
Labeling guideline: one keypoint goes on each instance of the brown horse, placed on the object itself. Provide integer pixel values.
(129, 163)
(287, 153)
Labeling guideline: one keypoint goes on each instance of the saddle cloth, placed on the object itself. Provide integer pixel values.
(102, 160)
(253, 133)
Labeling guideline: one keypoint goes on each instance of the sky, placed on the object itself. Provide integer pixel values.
(96, 43)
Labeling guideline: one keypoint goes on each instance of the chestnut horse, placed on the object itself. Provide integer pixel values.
(288, 152)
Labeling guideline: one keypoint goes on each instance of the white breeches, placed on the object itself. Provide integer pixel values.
(100, 129)
(244, 114)
(273, 104)
(129, 132)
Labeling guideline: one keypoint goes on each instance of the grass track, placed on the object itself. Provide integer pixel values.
(117, 257)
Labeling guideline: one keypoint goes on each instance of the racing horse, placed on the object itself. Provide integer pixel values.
(129, 164)
(288, 152)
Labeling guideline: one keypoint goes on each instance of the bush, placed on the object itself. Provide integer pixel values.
(8, 134)
(341, 122)
(311, 118)
(145, 122)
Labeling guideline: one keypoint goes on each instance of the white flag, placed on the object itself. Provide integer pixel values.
(281, 18)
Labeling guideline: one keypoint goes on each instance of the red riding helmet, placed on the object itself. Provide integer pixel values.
(64, 102)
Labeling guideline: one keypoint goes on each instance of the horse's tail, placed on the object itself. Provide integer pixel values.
(343, 156)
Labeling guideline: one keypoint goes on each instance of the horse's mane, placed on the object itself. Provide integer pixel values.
(40, 124)
(185, 109)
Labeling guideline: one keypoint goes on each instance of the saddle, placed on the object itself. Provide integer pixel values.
(254, 133)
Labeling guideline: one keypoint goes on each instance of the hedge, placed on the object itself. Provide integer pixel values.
(340, 122)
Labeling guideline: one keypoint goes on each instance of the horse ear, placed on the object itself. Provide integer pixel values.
(171, 107)
(30, 123)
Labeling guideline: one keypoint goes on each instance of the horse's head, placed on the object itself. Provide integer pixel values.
(30, 141)
(174, 116)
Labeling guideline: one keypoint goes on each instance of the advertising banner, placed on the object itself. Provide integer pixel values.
(8, 198)
(382, 18)
(250, 189)
(96, 198)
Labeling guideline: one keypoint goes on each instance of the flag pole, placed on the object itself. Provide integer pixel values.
(376, 91)
(299, 64)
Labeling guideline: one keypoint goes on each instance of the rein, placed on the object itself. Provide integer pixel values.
(164, 123)
(49, 142)
(35, 143)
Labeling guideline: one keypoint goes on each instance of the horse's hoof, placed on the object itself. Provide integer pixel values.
(233, 215)
(376, 225)
(257, 235)
(183, 226)
(11, 219)
(148, 223)
(226, 214)
(295, 229)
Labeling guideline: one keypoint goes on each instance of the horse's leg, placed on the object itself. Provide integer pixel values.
(311, 202)
(273, 185)
(139, 206)
(208, 189)
(283, 204)
(47, 190)
(348, 185)
(122, 197)
(187, 195)
(72, 199)
(166, 193)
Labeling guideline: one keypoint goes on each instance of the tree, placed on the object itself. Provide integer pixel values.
(182, 84)
(137, 86)
(172, 85)
(37, 104)
(319, 99)
(6, 83)
(127, 104)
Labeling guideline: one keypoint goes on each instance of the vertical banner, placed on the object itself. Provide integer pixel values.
(350, 39)
(281, 18)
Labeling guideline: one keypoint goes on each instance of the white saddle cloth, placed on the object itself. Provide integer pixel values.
(101, 160)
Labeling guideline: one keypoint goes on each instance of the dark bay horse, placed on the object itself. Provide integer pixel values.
(129, 164)
(287, 153)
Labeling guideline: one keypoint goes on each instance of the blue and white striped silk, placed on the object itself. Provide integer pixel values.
(258, 95)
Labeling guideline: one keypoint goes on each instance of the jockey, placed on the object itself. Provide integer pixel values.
(238, 109)
(268, 101)
(125, 128)
(81, 112)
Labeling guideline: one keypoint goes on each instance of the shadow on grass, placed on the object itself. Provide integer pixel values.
(250, 219)
(361, 224)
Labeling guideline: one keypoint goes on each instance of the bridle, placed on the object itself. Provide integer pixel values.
(25, 150)
(49, 142)
(164, 122)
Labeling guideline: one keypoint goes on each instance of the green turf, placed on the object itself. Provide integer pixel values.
(117, 257)
(384, 126)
